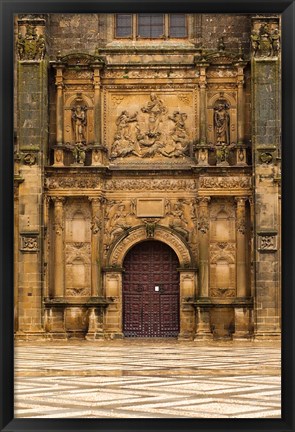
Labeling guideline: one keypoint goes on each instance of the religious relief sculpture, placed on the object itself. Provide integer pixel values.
(155, 108)
(177, 220)
(119, 217)
(265, 41)
(31, 46)
(124, 144)
(145, 137)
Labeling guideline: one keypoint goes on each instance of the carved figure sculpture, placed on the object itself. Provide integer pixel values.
(265, 40)
(255, 38)
(124, 143)
(221, 123)
(31, 46)
(79, 153)
(20, 46)
(179, 136)
(275, 37)
(118, 222)
(155, 108)
(41, 46)
(178, 221)
(79, 122)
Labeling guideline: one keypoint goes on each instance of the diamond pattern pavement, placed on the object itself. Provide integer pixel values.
(147, 379)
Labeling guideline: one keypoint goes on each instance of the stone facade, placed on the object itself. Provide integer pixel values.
(121, 141)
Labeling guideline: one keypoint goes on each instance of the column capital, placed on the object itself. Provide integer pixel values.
(203, 201)
(241, 200)
(58, 200)
(94, 200)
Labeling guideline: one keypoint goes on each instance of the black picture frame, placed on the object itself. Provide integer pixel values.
(8, 9)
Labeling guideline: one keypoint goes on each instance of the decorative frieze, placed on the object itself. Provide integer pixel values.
(85, 182)
(225, 182)
(153, 184)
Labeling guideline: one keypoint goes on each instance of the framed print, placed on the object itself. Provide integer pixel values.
(147, 188)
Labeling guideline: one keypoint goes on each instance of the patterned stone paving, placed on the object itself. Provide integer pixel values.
(147, 379)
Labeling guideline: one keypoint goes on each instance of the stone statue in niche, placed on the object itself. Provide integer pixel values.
(222, 123)
(31, 46)
(79, 122)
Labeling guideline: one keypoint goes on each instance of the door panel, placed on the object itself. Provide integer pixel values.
(146, 312)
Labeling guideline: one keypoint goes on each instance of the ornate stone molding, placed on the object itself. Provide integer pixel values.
(143, 185)
(73, 183)
(225, 182)
(134, 236)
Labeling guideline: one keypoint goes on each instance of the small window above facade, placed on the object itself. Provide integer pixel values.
(150, 26)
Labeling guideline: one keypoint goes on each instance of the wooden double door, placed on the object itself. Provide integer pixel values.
(151, 291)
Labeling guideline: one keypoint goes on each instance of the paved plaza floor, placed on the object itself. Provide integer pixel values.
(147, 379)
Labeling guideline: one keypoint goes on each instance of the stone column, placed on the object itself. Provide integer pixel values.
(58, 247)
(203, 330)
(203, 227)
(266, 143)
(203, 104)
(242, 314)
(45, 236)
(241, 103)
(97, 152)
(59, 104)
(202, 154)
(242, 288)
(96, 288)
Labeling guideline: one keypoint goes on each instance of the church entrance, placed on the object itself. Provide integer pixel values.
(151, 291)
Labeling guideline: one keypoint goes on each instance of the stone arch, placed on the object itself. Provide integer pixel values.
(222, 96)
(138, 234)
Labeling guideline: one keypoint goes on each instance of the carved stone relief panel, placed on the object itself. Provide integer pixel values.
(31, 45)
(267, 241)
(149, 125)
(265, 38)
(77, 248)
(29, 242)
(176, 214)
(222, 250)
(119, 217)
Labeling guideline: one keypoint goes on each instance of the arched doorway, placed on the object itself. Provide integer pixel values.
(151, 291)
